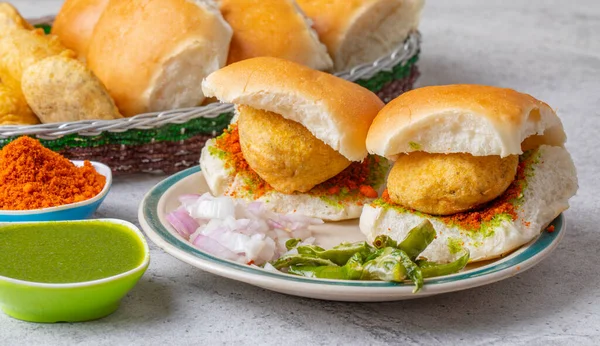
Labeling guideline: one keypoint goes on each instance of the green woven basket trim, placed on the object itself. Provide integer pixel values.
(170, 133)
(47, 28)
(378, 81)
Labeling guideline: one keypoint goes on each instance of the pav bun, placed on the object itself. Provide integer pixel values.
(475, 119)
(153, 55)
(361, 31)
(75, 23)
(334, 110)
(276, 28)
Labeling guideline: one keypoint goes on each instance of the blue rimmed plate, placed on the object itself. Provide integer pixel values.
(163, 199)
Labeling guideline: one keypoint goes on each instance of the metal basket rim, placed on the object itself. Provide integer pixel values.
(400, 55)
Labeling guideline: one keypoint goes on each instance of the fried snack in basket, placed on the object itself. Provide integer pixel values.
(10, 18)
(60, 89)
(13, 107)
(56, 86)
(21, 48)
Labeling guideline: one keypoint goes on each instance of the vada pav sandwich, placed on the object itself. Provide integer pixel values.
(298, 143)
(485, 165)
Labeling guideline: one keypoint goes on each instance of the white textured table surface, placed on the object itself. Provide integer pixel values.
(550, 49)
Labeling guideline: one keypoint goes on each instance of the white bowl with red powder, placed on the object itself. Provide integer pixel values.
(73, 211)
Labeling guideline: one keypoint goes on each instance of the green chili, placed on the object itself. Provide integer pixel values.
(299, 259)
(418, 239)
(382, 241)
(292, 243)
(339, 254)
(431, 269)
(350, 271)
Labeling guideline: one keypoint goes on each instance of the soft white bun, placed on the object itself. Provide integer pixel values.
(275, 28)
(153, 55)
(476, 119)
(223, 181)
(360, 31)
(548, 189)
(74, 24)
(334, 110)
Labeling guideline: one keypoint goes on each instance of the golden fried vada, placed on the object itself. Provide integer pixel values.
(443, 184)
(56, 86)
(13, 107)
(62, 89)
(284, 153)
(22, 48)
(457, 148)
(299, 141)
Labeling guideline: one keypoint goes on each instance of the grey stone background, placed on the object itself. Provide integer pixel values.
(550, 49)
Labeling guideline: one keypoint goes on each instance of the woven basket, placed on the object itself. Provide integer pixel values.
(171, 141)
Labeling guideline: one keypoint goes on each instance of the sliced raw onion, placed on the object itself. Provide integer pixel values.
(183, 223)
(236, 230)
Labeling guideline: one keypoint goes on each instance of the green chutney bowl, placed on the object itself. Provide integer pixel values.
(42, 301)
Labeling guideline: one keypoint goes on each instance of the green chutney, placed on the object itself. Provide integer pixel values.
(67, 252)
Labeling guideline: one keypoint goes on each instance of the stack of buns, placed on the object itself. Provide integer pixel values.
(153, 55)
(139, 56)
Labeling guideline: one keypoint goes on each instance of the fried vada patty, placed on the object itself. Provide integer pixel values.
(284, 153)
(444, 184)
(13, 107)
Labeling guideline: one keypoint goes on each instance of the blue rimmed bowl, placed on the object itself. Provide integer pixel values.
(74, 211)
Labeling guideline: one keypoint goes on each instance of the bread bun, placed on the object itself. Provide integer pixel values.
(275, 28)
(550, 182)
(224, 181)
(153, 55)
(361, 31)
(334, 110)
(475, 119)
(10, 18)
(75, 22)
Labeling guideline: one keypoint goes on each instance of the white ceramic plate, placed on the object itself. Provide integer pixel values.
(163, 198)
